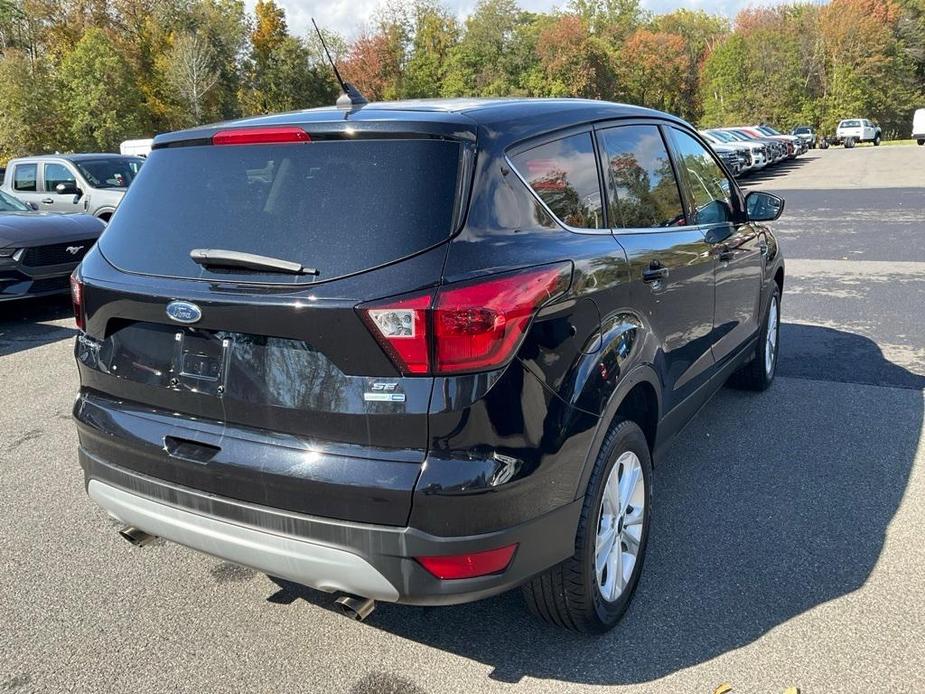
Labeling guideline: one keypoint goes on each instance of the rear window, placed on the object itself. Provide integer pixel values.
(338, 206)
(850, 124)
(563, 173)
(111, 172)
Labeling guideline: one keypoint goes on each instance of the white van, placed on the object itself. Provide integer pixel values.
(136, 148)
(918, 126)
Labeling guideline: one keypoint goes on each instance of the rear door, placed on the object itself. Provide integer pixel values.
(733, 243)
(265, 351)
(24, 182)
(670, 265)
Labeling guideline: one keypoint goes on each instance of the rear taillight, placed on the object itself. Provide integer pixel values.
(401, 327)
(479, 325)
(466, 327)
(471, 565)
(261, 136)
(77, 301)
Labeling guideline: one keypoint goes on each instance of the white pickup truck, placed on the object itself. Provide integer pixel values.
(918, 126)
(857, 130)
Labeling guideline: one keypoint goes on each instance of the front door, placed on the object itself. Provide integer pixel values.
(56, 173)
(670, 265)
(734, 245)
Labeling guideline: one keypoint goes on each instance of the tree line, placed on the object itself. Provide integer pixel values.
(86, 74)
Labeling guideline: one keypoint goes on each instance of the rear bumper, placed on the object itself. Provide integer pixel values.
(372, 561)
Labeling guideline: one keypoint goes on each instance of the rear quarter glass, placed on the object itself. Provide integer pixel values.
(339, 206)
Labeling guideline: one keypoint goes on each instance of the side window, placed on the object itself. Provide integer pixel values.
(710, 189)
(641, 188)
(55, 174)
(24, 177)
(564, 174)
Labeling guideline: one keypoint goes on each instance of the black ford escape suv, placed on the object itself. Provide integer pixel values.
(419, 352)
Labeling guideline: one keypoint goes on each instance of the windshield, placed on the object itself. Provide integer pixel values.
(803, 131)
(112, 172)
(340, 206)
(768, 130)
(850, 124)
(10, 204)
(722, 136)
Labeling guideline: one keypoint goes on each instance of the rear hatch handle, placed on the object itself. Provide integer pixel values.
(190, 450)
(217, 257)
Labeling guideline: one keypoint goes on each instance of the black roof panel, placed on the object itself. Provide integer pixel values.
(460, 117)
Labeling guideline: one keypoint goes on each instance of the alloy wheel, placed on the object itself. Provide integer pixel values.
(620, 526)
(770, 352)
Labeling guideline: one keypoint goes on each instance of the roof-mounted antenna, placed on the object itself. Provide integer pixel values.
(351, 98)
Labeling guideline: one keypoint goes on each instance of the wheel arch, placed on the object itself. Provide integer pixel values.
(637, 397)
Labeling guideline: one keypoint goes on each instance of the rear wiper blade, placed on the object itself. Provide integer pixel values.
(217, 257)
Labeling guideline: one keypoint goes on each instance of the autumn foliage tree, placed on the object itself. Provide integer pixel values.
(574, 62)
(83, 74)
(653, 66)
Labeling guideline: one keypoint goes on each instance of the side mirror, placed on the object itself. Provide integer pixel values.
(67, 188)
(763, 207)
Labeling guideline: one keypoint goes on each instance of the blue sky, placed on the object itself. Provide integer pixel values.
(350, 16)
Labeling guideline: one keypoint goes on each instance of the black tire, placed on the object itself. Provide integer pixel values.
(755, 374)
(921, 142)
(567, 595)
(849, 143)
(877, 140)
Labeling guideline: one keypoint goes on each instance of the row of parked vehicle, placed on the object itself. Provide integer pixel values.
(52, 210)
(745, 149)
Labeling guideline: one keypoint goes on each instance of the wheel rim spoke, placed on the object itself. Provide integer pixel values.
(605, 543)
(632, 536)
(631, 476)
(614, 573)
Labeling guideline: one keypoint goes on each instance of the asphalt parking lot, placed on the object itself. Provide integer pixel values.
(786, 548)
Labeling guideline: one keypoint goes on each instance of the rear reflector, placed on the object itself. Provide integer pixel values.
(453, 566)
(467, 327)
(260, 136)
(77, 300)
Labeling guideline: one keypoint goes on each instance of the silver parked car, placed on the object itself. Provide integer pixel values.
(90, 183)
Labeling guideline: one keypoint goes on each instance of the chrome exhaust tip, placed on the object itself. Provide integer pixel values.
(354, 607)
(137, 537)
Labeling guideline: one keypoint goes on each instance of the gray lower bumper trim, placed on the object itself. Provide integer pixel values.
(315, 565)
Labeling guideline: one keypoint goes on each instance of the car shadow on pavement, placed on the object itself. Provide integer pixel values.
(767, 506)
(24, 324)
(772, 172)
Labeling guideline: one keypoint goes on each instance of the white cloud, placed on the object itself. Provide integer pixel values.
(350, 17)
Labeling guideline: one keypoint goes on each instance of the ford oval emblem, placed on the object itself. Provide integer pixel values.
(183, 312)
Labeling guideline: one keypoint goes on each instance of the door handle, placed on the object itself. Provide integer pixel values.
(725, 254)
(187, 449)
(654, 273)
(47, 201)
